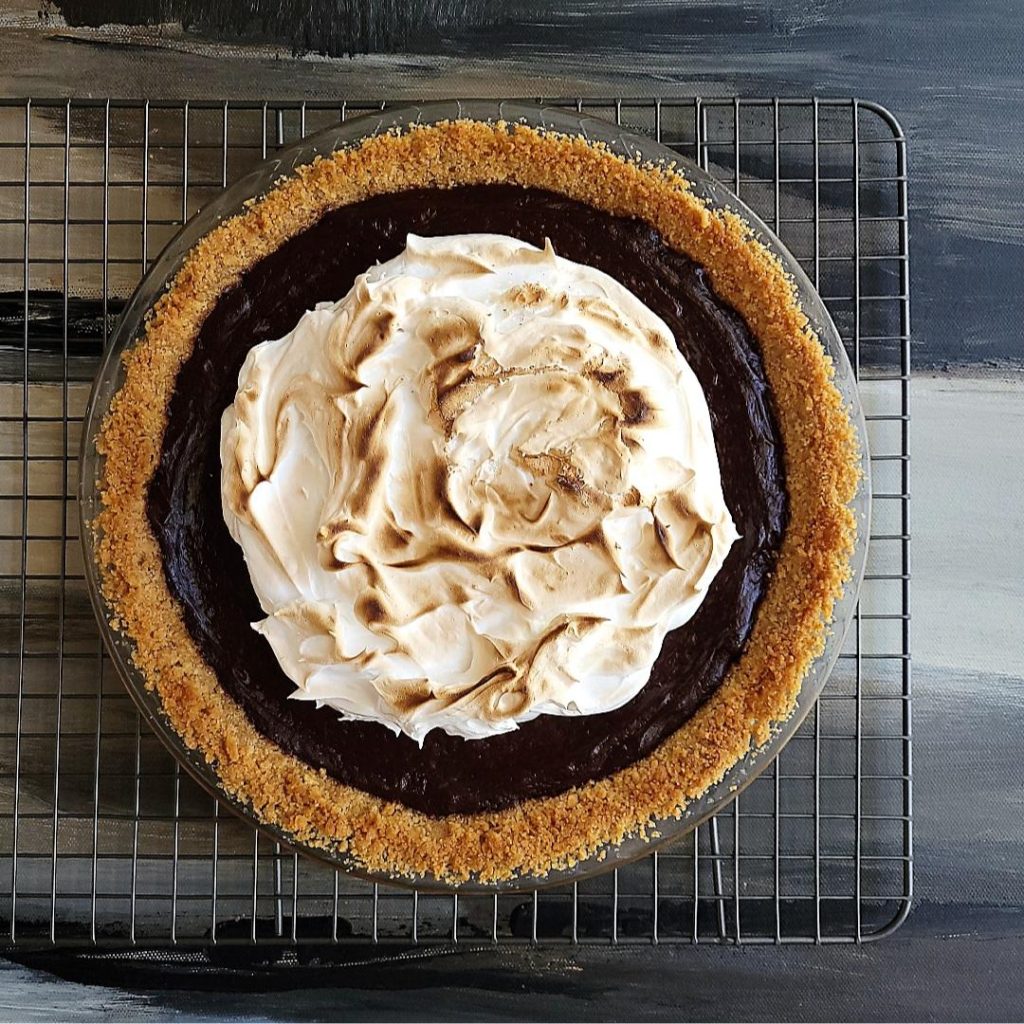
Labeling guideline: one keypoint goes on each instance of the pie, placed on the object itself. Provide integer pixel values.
(530, 474)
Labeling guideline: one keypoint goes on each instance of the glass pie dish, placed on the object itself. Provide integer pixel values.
(259, 181)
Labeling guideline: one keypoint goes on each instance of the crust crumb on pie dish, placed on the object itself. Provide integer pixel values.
(539, 835)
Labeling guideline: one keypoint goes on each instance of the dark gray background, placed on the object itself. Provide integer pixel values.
(952, 73)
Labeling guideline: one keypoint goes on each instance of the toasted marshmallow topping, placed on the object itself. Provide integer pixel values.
(480, 488)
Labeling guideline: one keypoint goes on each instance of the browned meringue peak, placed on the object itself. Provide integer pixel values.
(480, 487)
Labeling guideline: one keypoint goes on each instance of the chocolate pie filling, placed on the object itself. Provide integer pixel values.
(207, 575)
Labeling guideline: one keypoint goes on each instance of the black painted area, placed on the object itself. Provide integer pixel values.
(942, 972)
(206, 572)
(85, 321)
(322, 26)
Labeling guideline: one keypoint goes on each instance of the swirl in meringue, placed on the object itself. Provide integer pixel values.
(479, 488)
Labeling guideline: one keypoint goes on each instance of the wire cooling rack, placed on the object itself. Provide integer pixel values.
(105, 843)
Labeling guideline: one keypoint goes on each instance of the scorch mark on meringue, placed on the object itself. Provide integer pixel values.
(479, 488)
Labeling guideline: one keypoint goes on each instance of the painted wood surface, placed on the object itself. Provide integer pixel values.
(952, 73)
(960, 954)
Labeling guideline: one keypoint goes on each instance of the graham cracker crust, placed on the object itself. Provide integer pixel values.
(760, 691)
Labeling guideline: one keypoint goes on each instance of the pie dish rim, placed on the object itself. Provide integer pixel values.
(432, 865)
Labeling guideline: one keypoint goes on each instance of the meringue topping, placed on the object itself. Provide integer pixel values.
(479, 488)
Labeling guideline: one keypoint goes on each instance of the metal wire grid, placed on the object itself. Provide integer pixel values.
(104, 842)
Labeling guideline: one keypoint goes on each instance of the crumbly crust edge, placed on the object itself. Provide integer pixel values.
(536, 836)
